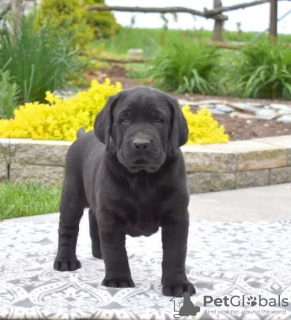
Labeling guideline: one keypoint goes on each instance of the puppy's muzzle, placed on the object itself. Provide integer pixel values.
(141, 152)
(141, 144)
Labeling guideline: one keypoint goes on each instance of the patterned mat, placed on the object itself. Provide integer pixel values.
(248, 262)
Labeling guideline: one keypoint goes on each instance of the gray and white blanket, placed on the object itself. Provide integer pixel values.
(242, 262)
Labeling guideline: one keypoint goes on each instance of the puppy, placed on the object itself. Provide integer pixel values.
(130, 172)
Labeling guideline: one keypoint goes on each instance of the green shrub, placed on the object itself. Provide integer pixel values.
(37, 60)
(69, 16)
(8, 95)
(262, 70)
(102, 22)
(61, 118)
(185, 67)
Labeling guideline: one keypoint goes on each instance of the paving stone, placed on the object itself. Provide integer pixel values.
(241, 115)
(215, 111)
(37, 174)
(255, 178)
(200, 182)
(199, 159)
(3, 168)
(41, 154)
(223, 108)
(266, 114)
(280, 175)
(279, 141)
(253, 155)
(280, 107)
(283, 112)
(261, 159)
(285, 119)
(289, 157)
(7, 149)
(243, 107)
(251, 108)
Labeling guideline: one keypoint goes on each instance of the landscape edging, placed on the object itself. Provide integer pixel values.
(213, 167)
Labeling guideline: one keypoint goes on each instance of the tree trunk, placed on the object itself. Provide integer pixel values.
(217, 31)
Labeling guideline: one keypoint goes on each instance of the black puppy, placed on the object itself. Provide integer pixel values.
(133, 180)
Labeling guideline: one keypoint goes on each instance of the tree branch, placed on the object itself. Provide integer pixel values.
(156, 10)
(213, 12)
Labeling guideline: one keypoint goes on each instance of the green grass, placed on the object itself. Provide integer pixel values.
(19, 200)
(152, 40)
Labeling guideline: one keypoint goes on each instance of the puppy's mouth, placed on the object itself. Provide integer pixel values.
(135, 163)
(142, 164)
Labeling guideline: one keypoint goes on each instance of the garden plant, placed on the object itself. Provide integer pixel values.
(37, 60)
(60, 119)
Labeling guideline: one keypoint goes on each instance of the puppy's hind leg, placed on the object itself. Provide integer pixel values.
(72, 205)
(94, 234)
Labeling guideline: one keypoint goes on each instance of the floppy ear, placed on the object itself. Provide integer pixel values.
(103, 121)
(179, 130)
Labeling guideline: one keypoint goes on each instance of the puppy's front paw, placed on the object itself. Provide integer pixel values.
(67, 264)
(115, 283)
(171, 290)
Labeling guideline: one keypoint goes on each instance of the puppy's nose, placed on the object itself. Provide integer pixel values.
(141, 144)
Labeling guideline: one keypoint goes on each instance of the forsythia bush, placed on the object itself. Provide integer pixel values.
(203, 128)
(60, 119)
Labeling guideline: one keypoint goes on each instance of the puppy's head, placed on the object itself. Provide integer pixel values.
(144, 126)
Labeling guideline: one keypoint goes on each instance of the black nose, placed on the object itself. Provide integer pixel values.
(141, 143)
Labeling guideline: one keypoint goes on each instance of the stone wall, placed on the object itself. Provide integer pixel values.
(215, 167)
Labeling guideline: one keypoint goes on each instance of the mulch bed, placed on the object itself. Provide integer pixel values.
(238, 129)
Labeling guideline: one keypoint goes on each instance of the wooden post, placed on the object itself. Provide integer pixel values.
(273, 19)
(16, 8)
(217, 31)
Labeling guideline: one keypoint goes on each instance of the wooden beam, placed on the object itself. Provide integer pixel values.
(227, 45)
(213, 12)
(273, 19)
(122, 61)
(218, 24)
(155, 10)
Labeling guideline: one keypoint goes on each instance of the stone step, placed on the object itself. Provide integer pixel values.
(212, 167)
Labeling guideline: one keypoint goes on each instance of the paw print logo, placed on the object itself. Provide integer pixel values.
(252, 301)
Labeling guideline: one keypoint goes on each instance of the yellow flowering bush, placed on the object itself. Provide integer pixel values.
(203, 128)
(60, 119)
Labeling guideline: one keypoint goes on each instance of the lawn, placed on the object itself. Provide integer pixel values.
(19, 200)
(152, 40)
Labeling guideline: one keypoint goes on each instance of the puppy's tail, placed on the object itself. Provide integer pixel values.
(80, 132)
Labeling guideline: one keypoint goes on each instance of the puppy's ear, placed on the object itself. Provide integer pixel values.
(179, 129)
(103, 121)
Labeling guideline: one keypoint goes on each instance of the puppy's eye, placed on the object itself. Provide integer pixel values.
(124, 120)
(158, 121)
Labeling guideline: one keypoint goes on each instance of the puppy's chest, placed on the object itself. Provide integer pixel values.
(143, 220)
